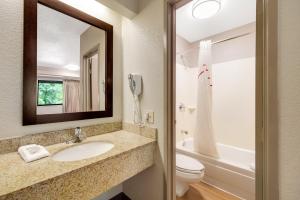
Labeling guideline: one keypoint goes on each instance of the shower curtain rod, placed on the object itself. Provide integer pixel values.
(219, 41)
(232, 38)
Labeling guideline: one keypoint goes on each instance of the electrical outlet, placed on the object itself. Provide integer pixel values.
(150, 117)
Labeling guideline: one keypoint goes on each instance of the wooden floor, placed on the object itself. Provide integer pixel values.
(202, 191)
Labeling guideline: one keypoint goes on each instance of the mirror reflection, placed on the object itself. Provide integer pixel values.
(70, 64)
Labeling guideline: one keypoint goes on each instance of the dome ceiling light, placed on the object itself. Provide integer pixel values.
(205, 8)
(72, 67)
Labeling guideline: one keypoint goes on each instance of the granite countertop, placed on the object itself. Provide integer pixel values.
(17, 175)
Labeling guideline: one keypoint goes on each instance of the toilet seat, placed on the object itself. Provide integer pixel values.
(188, 171)
(189, 165)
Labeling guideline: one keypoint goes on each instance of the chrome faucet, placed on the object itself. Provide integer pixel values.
(79, 136)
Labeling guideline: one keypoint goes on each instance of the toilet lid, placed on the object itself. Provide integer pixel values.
(186, 163)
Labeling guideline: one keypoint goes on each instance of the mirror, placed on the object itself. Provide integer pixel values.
(70, 64)
(72, 70)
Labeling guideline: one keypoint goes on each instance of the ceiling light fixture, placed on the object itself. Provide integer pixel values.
(72, 67)
(205, 8)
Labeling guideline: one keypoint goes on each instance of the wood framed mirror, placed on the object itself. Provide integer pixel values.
(67, 64)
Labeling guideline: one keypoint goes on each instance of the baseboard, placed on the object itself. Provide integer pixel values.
(121, 196)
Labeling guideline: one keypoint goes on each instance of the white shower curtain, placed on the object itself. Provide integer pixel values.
(86, 85)
(71, 96)
(204, 139)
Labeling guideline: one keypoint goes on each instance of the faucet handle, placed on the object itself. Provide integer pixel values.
(77, 131)
(80, 134)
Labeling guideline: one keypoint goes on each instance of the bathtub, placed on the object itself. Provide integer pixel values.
(233, 172)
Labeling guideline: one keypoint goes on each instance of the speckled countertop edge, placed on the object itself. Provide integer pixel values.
(8, 145)
(17, 175)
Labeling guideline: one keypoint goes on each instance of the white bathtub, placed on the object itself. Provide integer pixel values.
(232, 172)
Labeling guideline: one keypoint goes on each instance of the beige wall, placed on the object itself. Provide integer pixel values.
(289, 98)
(127, 8)
(11, 53)
(130, 4)
(143, 50)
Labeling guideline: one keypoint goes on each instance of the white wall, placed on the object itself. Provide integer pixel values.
(143, 50)
(289, 98)
(233, 110)
(186, 94)
(11, 65)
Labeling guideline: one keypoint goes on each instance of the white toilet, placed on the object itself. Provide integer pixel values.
(188, 170)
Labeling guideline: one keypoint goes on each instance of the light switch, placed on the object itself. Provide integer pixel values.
(150, 117)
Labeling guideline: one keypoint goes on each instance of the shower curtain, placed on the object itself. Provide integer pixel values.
(86, 85)
(71, 96)
(204, 139)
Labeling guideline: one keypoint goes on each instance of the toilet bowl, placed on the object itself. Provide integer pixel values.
(188, 170)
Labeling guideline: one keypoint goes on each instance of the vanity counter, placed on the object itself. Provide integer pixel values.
(83, 179)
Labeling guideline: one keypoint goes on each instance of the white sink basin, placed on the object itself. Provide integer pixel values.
(83, 151)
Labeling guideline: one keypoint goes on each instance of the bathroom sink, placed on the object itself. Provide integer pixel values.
(83, 151)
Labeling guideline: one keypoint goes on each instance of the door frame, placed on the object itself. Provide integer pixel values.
(266, 126)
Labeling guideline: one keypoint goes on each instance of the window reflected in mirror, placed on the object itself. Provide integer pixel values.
(70, 64)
